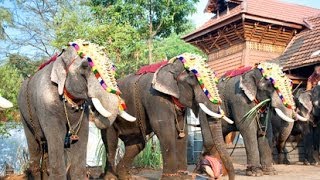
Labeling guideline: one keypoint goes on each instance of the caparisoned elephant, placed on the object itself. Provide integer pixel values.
(54, 110)
(158, 101)
(308, 106)
(243, 92)
(5, 104)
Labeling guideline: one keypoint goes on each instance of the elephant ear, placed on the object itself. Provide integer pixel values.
(248, 85)
(305, 99)
(164, 81)
(58, 72)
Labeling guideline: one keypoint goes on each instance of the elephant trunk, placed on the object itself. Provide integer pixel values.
(213, 139)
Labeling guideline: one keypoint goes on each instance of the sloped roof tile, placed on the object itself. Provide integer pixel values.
(304, 47)
(269, 9)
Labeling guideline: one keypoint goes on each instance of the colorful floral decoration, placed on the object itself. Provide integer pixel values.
(205, 76)
(100, 65)
(282, 84)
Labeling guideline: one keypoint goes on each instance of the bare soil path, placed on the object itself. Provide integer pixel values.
(285, 172)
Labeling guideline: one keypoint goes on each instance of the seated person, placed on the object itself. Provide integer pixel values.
(211, 166)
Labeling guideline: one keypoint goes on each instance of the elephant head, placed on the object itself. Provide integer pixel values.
(84, 72)
(315, 97)
(267, 81)
(5, 104)
(189, 80)
(304, 103)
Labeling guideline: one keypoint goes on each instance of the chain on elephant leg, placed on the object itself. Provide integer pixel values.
(33, 172)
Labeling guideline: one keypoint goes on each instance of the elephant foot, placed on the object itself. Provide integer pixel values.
(254, 171)
(124, 175)
(110, 176)
(307, 163)
(284, 161)
(269, 170)
(310, 163)
(174, 176)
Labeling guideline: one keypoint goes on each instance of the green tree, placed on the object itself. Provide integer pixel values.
(5, 19)
(152, 18)
(24, 65)
(10, 81)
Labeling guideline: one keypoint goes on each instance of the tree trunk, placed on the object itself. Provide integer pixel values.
(150, 33)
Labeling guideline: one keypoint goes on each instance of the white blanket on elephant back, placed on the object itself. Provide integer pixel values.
(94, 146)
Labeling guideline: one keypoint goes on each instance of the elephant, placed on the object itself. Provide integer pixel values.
(242, 93)
(5, 104)
(307, 103)
(54, 107)
(158, 100)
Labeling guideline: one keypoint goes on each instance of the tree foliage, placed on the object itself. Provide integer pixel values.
(24, 65)
(5, 19)
(10, 80)
(151, 18)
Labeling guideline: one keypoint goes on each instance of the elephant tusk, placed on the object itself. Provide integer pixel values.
(283, 116)
(127, 116)
(227, 119)
(301, 118)
(4, 104)
(97, 104)
(209, 112)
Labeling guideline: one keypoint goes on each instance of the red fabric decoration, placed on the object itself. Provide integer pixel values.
(177, 103)
(152, 68)
(216, 165)
(53, 58)
(236, 72)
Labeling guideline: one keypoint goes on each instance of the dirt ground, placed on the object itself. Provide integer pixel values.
(285, 172)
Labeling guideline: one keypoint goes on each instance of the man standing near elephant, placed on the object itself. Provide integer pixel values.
(314, 78)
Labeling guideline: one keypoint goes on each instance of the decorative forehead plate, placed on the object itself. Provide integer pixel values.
(205, 75)
(283, 85)
(100, 65)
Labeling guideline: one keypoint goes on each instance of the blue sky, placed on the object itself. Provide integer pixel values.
(200, 18)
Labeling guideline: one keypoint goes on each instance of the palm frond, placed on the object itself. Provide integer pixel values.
(252, 112)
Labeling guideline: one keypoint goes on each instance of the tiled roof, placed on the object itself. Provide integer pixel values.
(269, 9)
(304, 48)
(283, 11)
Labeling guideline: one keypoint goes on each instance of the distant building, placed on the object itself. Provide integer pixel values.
(244, 32)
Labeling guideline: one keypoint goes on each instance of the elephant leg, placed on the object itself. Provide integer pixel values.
(77, 153)
(281, 145)
(249, 134)
(181, 152)
(164, 127)
(266, 156)
(34, 153)
(308, 142)
(110, 140)
(55, 133)
(265, 149)
(131, 151)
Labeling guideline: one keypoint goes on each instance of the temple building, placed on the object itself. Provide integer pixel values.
(245, 32)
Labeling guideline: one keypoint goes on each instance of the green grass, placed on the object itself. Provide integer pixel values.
(150, 157)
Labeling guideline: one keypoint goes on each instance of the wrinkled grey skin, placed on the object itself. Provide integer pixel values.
(160, 112)
(236, 104)
(308, 106)
(49, 119)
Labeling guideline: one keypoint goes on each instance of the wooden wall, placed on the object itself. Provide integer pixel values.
(247, 53)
